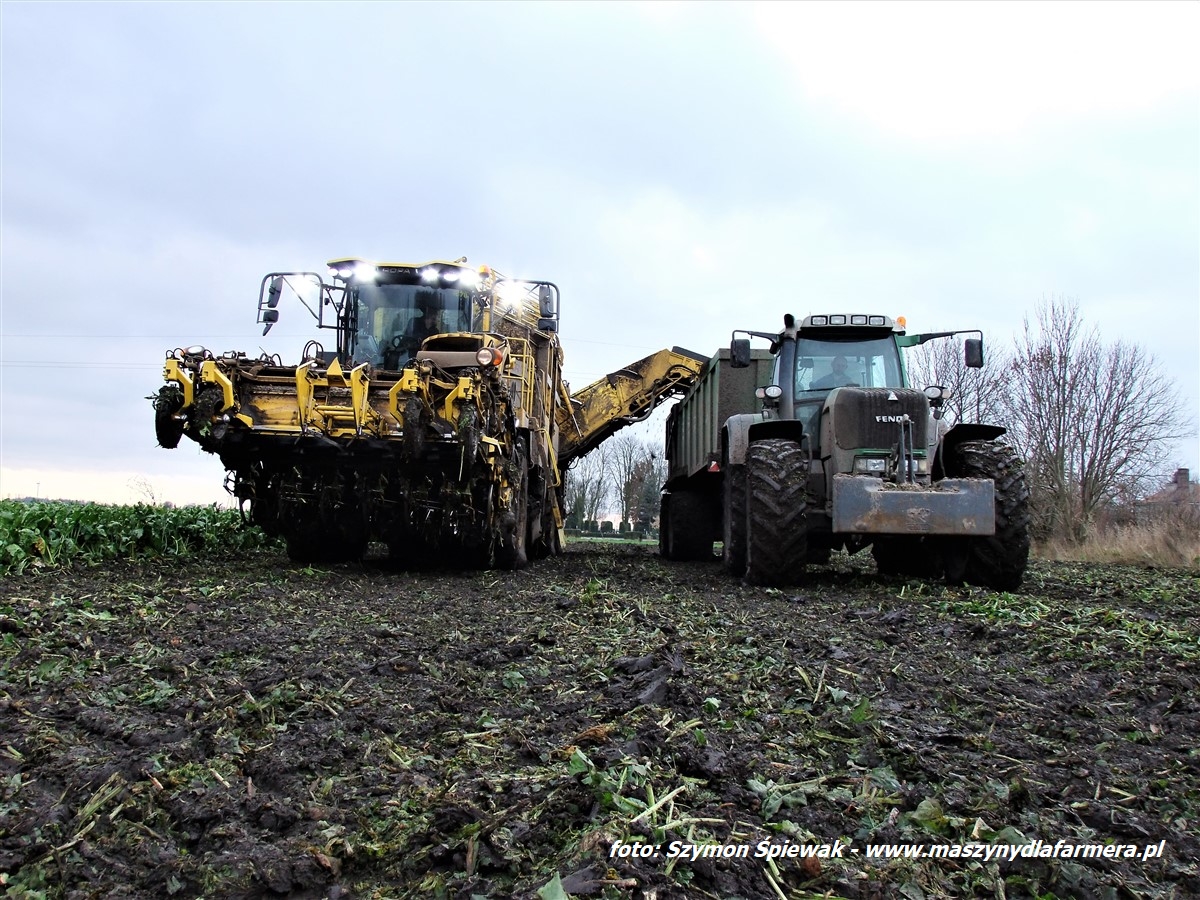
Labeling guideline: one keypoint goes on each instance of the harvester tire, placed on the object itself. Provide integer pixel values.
(542, 497)
(167, 428)
(514, 522)
(307, 549)
(997, 561)
(776, 511)
(734, 524)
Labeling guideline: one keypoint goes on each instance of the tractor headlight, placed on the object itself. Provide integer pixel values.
(770, 392)
(489, 356)
(866, 465)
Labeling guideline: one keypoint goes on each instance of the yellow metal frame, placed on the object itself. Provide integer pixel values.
(172, 371)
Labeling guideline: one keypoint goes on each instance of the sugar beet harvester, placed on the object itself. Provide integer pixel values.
(439, 423)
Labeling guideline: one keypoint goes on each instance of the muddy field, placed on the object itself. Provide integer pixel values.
(246, 728)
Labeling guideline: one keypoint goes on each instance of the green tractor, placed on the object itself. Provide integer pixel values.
(820, 443)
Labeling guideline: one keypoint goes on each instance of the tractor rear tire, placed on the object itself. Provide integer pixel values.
(997, 561)
(776, 513)
(907, 555)
(734, 525)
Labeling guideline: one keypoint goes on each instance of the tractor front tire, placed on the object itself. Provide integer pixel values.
(997, 561)
(776, 513)
(734, 536)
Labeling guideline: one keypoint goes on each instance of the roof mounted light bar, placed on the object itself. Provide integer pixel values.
(841, 320)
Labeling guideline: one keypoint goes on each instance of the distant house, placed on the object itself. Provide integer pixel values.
(1181, 497)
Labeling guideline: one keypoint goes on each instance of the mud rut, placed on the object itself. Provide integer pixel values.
(248, 728)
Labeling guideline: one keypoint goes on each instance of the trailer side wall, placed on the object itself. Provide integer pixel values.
(694, 425)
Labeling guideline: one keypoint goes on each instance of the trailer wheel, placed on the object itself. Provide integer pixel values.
(997, 561)
(734, 524)
(664, 527)
(690, 525)
(776, 511)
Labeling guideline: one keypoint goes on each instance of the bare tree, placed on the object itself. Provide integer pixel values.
(977, 395)
(1094, 421)
(589, 486)
(629, 455)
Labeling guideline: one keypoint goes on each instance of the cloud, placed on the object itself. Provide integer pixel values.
(931, 72)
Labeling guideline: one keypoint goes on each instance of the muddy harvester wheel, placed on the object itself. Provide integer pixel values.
(167, 428)
(997, 561)
(514, 522)
(305, 548)
(776, 510)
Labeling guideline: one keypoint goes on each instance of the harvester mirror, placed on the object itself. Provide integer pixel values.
(545, 300)
(269, 317)
(739, 353)
(973, 353)
(274, 292)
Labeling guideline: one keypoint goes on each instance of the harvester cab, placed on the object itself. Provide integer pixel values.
(383, 314)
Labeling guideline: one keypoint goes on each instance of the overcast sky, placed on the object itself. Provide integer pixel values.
(678, 169)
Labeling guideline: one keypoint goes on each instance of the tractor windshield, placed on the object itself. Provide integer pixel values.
(822, 365)
(388, 322)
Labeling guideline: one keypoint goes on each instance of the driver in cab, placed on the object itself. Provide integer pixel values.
(838, 377)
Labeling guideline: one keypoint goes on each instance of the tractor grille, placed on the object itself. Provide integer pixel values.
(865, 417)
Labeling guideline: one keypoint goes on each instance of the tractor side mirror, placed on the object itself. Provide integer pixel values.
(973, 353)
(739, 353)
(269, 317)
(274, 292)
